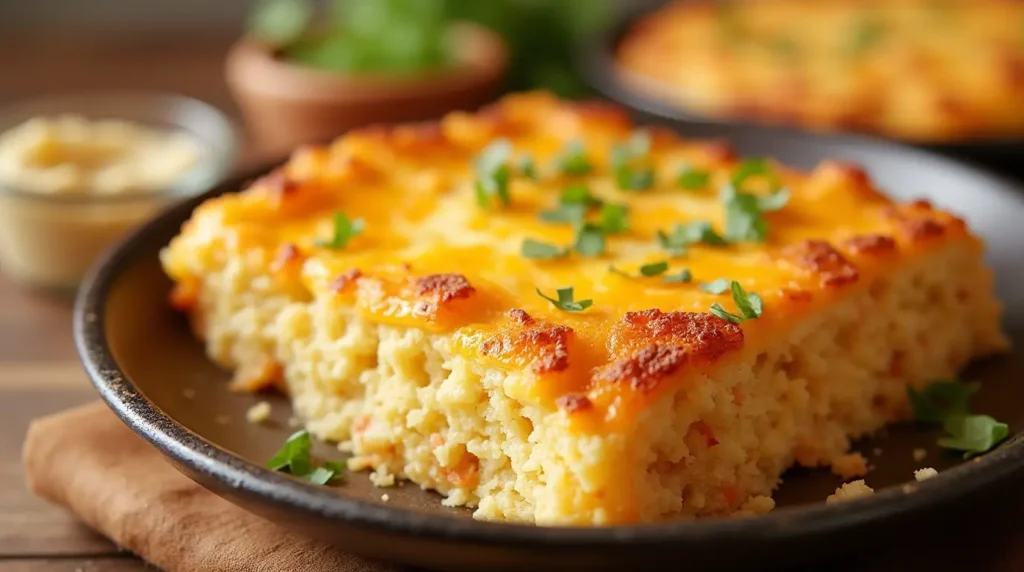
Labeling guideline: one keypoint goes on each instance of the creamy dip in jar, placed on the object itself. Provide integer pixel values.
(69, 154)
(71, 184)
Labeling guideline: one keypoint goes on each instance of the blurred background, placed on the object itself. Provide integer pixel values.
(944, 74)
(179, 45)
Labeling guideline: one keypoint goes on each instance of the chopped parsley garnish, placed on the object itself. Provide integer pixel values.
(635, 179)
(542, 250)
(294, 458)
(565, 213)
(684, 277)
(654, 268)
(684, 235)
(589, 240)
(492, 173)
(744, 213)
(326, 473)
(755, 167)
(344, 231)
(715, 286)
(528, 168)
(940, 400)
(647, 270)
(614, 218)
(633, 172)
(572, 206)
(579, 195)
(573, 160)
(749, 305)
(565, 300)
(692, 179)
(973, 434)
(948, 403)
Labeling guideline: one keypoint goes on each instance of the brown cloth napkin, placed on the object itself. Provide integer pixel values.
(87, 461)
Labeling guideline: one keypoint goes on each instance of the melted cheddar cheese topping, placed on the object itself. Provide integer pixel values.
(431, 257)
(925, 70)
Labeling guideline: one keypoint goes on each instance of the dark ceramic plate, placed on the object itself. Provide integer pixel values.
(595, 58)
(142, 359)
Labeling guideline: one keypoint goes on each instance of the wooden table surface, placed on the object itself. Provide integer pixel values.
(39, 371)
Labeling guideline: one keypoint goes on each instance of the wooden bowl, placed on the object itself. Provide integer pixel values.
(285, 104)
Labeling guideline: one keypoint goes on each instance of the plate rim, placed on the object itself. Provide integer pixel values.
(187, 448)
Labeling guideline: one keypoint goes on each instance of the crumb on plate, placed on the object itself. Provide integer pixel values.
(925, 474)
(849, 491)
(258, 413)
(382, 478)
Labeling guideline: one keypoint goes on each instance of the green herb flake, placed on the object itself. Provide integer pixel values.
(566, 301)
(684, 277)
(654, 268)
(578, 195)
(573, 160)
(293, 457)
(692, 179)
(941, 399)
(629, 161)
(573, 205)
(671, 243)
(749, 305)
(683, 235)
(744, 213)
(973, 434)
(564, 213)
(614, 218)
(751, 168)
(715, 286)
(528, 167)
(320, 476)
(646, 271)
(639, 179)
(590, 240)
(721, 312)
(493, 173)
(542, 250)
(948, 402)
(344, 231)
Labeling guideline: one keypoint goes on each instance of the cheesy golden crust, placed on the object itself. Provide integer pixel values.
(921, 70)
(422, 344)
